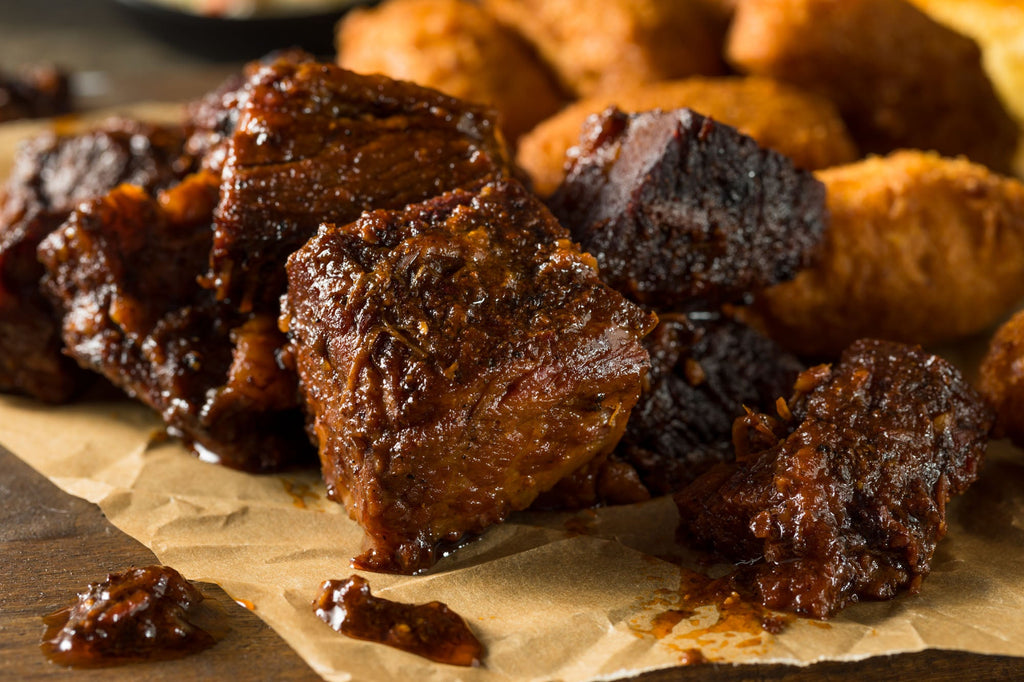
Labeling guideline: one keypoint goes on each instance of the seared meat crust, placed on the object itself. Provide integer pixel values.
(315, 143)
(125, 267)
(51, 175)
(843, 496)
(459, 357)
(683, 213)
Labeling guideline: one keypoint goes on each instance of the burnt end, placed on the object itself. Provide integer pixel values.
(459, 357)
(125, 268)
(50, 176)
(704, 372)
(683, 213)
(39, 92)
(315, 143)
(842, 496)
(210, 121)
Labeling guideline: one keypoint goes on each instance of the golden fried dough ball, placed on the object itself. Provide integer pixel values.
(602, 45)
(804, 127)
(457, 48)
(899, 78)
(921, 249)
(1001, 378)
(998, 26)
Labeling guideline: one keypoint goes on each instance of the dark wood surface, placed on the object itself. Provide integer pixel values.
(52, 544)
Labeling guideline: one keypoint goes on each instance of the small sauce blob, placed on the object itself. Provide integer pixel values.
(140, 614)
(430, 630)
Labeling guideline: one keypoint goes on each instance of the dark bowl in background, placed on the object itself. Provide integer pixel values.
(232, 39)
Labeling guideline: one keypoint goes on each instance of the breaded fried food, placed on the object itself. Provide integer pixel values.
(806, 128)
(920, 249)
(998, 27)
(1001, 379)
(605, 45)
(457, 48)
(899, 78)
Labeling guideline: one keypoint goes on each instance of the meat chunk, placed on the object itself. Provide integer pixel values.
(36, 93)
(125, 267)
(603, 45)
(315, 143)
(704, 372)
(211, 120)
(842, 497)
(803, 126)
(920, 249)
(457, 48)
(879, 61)
(683, 213)
(51, 175)
(459, 357)
(1001, 378)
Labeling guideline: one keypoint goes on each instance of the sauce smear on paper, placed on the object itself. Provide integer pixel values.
(141, 614)
(736, 616)
(430, 630)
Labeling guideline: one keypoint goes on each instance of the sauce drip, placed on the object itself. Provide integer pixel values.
(737, 614)
(430, 630)
(137, 615)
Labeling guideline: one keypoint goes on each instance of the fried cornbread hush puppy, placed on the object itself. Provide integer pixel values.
(604, 45)
(920, 249)
(899, 78)
(457, 48)
(806, 128)
(998, 26)
(1001, 379)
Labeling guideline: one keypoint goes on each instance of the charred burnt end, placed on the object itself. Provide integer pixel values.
(51, 175)
(125, 269)
(684, 213)
(459, 357)
(210, 121)
(706, 370)
(315, 143)
(841, 495)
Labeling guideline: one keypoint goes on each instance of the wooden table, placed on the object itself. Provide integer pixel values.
(52, 544)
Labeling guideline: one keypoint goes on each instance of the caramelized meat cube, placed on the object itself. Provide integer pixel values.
(704, 372)
(843, 496)
(125, 267)
(1001, 379)
(37, 93)
(683, 213)
(457, 48)
(803, 126)
(51, 175)
(431, 630)
(900, 79)
(315, 143)
(141, 614)
(211, 120)
(920, 249)
(459, 357)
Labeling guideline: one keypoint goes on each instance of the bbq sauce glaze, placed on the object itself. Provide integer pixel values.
(430, 630)
(142, 614)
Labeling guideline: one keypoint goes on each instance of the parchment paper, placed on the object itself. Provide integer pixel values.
(553, 596)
